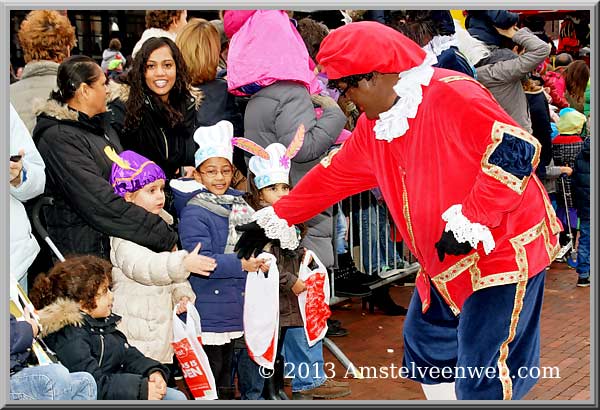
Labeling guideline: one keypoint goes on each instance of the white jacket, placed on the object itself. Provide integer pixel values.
(23, 246)
(146, 287)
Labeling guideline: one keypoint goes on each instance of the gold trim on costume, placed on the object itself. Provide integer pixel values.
(327, 160)
(136, 173)
(451, 273)
(549, 210)
(406, 211)
(508, 179)
(505, 379)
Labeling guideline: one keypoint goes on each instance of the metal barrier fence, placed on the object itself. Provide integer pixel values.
(370, 232)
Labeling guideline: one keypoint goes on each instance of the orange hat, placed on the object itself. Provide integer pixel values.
(366, 46)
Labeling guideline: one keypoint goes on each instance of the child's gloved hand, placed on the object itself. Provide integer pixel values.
(252, 240)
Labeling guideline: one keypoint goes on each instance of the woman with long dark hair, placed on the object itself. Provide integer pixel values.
(153, 109)
(72, 135)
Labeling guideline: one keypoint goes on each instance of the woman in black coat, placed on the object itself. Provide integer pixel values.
(72, 135)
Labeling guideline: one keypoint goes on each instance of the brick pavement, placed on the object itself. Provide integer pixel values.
(565, 336)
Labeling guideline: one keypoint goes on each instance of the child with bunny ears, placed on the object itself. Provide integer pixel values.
(159, 281)
(209, 211)
(269, 181)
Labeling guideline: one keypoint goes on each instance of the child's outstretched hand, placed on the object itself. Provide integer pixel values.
(199, 264)
(182, 305)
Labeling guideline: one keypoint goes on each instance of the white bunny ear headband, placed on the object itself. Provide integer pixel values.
(274, 168)
(218, 141)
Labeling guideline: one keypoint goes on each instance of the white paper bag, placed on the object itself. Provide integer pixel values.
(261, 313)
(187, 345)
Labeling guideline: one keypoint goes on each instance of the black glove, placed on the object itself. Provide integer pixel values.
(251, 242)
(449, 245)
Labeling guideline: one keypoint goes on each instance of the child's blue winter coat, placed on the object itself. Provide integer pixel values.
(220, 296)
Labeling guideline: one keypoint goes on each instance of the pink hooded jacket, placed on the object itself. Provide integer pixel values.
(264, 48)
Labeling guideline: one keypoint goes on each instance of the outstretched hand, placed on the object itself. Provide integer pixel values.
(449, 245)
(252, 240)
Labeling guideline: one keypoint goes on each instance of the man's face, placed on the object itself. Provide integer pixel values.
(367, 96)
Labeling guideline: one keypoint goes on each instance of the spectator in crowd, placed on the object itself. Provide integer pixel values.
(27, 181)
(408, 147)
(554, 80)
(48, 382)
(111, 53)
(503, 70)
(565, 148)
(281, 99)
(581, 199)
(200, 45)
(80, 327)
(158, 280)
(218, 23)
(209, 210)
(153, 110)
(434, 31)
(577, 75)
(46, 37)
(71, 134)
(161, 23)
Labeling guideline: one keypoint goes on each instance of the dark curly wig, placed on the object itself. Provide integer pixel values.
(351, 81)
(139, 91)
(79, 278)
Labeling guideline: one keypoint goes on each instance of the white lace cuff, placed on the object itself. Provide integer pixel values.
(467, 231)
(277, 228)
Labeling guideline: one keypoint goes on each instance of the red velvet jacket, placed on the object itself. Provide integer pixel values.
(442, 160)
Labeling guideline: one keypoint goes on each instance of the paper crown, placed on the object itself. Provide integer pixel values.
(218, 141)
(276, 168)
(131, 171)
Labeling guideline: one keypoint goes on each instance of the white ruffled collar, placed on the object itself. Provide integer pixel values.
(393, 123)
(439, 44)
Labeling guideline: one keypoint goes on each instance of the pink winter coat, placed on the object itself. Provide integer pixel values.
(265, 47)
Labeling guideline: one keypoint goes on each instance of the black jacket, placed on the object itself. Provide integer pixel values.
(540, 124)
(170, 147)
(87, 211)
(480, 24)
(581, 181)
(85, 344)
(21, 338)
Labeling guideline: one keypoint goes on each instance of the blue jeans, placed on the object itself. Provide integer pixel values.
(303, 364)
(250, 381)
(341, 246)
(375, 236)
(583, 250)
(52, 382)
(174, 394)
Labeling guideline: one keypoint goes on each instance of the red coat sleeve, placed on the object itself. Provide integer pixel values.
(342, 173)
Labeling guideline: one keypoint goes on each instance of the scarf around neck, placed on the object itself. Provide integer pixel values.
(239, 214)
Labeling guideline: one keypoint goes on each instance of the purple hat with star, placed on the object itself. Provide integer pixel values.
(132, 171)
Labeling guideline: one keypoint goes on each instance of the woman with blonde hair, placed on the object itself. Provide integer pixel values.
(200, 45)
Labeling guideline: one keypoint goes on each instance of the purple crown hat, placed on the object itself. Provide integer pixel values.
(131, 171)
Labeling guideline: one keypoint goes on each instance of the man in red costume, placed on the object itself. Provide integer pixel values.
(457, 174)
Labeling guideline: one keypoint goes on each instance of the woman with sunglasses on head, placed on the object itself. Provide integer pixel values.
(71, 135)
(153, 108)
